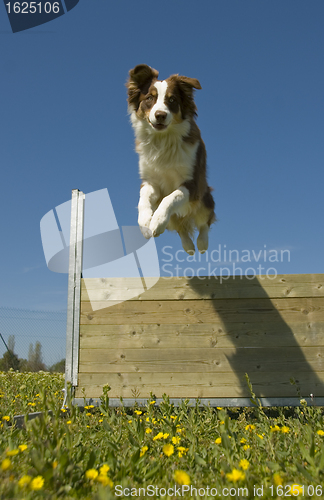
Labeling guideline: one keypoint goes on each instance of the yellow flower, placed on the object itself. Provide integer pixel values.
(285, 429)
(55, 464)
(222, 422)
(168, 449)
(244, 464)
(218, 440)
(105, 480)
(275, 428)
(235, 475)
(180, 431)
(22, 447)
(12, 453)
(152, 402)
(320, 433)
(182, 451)
(148, 431)
(37, 483)
(88, 414)
(181, 477)
(219, 408)
(173, 417)
(296, 489)
(147, 419)
(158, 436)
(259, 435)
(243, 440)
(104, 469)
(165, 436)
(91, 474)
(6, 418)
(249, 427)
(277, 479)
(138, 412)
(143, 450)
(24, 481)
(69, 422)
(246, 447)
(88, 407)
(6, 464)
(176, 439)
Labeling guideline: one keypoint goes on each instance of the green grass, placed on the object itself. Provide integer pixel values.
(102, 453)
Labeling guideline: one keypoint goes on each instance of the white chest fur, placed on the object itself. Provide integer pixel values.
(165, 159)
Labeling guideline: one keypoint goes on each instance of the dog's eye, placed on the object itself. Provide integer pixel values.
(172, 99)
(149, 98)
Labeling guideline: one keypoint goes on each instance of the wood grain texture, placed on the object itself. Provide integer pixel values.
(197, 338)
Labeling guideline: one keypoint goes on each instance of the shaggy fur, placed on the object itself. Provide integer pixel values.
(174, 194)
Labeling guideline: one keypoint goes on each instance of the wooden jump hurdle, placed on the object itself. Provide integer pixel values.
(197, 337)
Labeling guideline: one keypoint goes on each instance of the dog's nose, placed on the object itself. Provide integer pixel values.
(160, 116)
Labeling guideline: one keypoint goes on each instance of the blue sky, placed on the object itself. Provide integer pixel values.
(64, 124)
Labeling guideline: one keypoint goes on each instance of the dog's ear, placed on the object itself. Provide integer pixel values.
(188, 84)
(139, 81)
(186, 87)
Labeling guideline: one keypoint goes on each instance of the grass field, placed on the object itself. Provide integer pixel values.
(153, 451)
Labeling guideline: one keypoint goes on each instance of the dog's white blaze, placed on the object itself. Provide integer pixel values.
(160, 105)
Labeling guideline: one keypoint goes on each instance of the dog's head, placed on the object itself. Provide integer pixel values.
(160, 103)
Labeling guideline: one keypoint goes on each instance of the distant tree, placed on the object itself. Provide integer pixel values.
(9, 360)
(58, 367)
(35, 357)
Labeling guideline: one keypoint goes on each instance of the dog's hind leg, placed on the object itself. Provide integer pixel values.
(187, 242)
(202, 240)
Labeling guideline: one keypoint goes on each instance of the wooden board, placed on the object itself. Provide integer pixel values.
(191, 337)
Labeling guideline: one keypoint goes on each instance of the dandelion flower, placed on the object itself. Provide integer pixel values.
(6, 464)
(249, 427)
(37, 483)
(244, 464)
(143, 450)
(148, 431)
(6, 418)
(284, 429)
(104, 469)
(243, 441)
(152, 402)
(158, 436)
(105, 480)
(296, 489)
(275, 428)
(91, 474)
(168, 449)
(181, 477)
(182, 451)
(320, 432)
(24, 481)
(165, 436)
(12, 453)
(138, 412)
(235, 475)
(22, 447)
(277, 479)
(176, 439)
(218, 440)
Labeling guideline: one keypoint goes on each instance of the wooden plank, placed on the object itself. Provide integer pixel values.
(206, 311)
(200, 385)
(201, 335)
(213, 360)
(299, 285)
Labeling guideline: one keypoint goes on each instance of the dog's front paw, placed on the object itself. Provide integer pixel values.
(146, 232)
(144, 220)
(158, 223)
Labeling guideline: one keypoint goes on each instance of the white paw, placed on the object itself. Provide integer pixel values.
(144, 221)
(159, 222)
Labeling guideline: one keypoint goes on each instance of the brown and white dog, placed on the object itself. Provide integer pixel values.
(174, 194)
